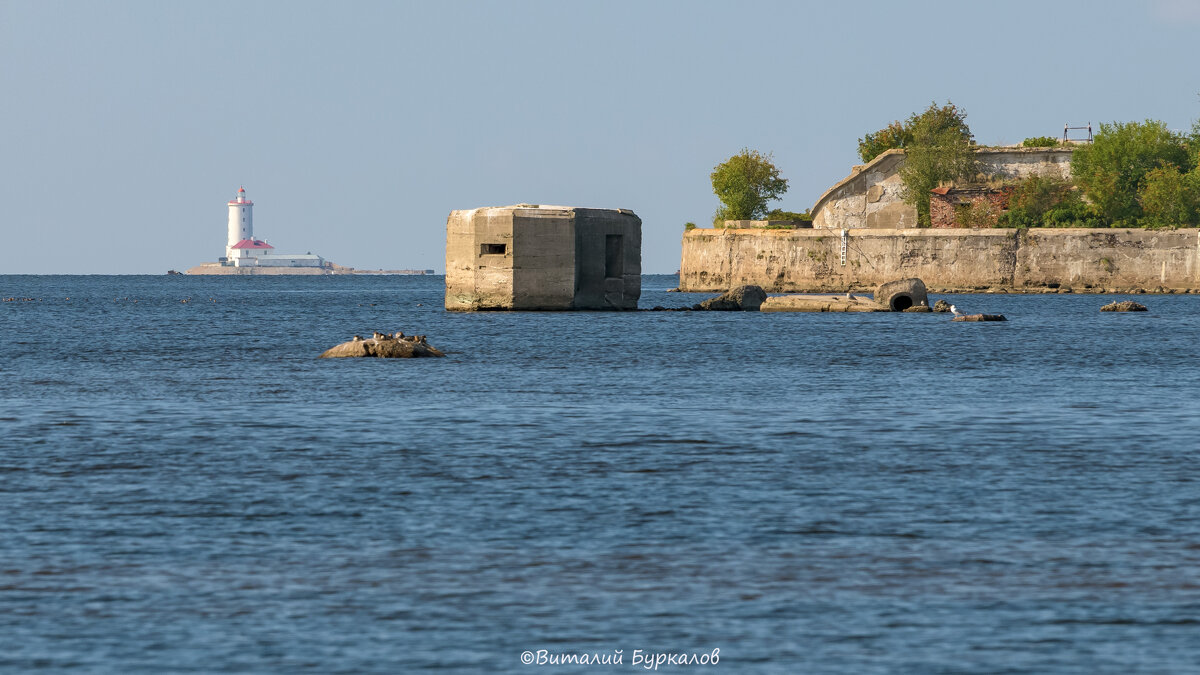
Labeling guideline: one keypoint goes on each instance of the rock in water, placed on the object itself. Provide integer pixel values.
(941, 306)
(818, 303)
(979, 317)
(386, 348)
(919, 308)
(1126, 306)
(742, 298)
(900, 295)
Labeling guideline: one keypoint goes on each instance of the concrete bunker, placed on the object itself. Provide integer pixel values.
(538, 257)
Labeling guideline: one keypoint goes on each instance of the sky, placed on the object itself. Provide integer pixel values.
(357, 127)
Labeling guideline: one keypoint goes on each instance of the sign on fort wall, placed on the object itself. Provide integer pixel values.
(948, 260)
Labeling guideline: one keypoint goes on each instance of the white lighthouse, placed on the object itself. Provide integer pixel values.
(243, 250)
(241, 222)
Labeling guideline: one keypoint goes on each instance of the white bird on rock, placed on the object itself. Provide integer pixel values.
(954, 311)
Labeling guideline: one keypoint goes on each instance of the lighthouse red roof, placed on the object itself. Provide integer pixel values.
(240, 199)
(256, 244)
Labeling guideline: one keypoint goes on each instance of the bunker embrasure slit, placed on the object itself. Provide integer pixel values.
(614, 256)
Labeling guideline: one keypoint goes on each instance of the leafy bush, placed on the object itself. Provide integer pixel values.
(1113, 168)
(1072, 214)
(688, 227)
(1170, 197)
(1036, 195)
(975, 214)
(1014, 219)
(780, 214)
(1040, 142)
(1048, 201)
(1193, 145)
(745, 183)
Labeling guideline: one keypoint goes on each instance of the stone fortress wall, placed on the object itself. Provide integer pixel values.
(864, 234)
(949, 260)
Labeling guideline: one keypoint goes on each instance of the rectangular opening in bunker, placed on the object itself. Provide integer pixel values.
(492, 249)
(614, 256)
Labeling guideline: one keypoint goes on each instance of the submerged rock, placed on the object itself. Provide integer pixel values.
(979, 317)
(742, 298)
(819, 303)
(941, 306)
(1126, 306)
(395, 347)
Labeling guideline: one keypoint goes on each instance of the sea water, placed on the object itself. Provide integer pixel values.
(185, 487)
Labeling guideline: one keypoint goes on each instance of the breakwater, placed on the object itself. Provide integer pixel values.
(948, 260)
(217, 269)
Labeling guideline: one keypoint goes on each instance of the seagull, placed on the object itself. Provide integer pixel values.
(850, 296)
(954, 311)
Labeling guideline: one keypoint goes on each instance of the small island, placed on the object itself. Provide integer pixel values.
(1115, 211)
(247, 255)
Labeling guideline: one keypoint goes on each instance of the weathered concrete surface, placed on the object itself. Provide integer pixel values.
(973, 318)
(1127, 306)
(386, 348)
(534, 257)
(902, 294)
(740, 299)
(819, 303)
(871, 196)
(948, 260)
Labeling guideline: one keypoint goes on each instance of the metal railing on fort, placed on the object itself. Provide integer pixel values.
(1067, 128)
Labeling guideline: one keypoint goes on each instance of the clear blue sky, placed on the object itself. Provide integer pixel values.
(356, 127)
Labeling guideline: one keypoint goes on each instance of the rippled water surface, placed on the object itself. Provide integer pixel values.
(185, 487)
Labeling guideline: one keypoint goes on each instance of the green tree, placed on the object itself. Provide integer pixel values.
(1169, 197)
(947, 117)
(1035, 195)
(745, 183)
(1193, 145)
(1112, 169)
(1047, 201)
(942, 150)
(894, 135)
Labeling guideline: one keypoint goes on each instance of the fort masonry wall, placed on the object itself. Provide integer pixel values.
(959, 259)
